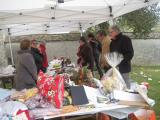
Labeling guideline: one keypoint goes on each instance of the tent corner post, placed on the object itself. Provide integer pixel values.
(80, 28)
(112, 22)
(10, 46)
(81, 33)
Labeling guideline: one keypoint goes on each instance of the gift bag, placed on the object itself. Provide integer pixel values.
(52, 88)
(113, 79)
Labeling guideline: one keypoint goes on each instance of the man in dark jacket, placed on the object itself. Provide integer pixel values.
(38, 57)
(122, 44)
(96, 49)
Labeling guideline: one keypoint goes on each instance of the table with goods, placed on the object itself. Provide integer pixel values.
(65, 91)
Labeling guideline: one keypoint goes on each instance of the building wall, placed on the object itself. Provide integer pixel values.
(147, 52)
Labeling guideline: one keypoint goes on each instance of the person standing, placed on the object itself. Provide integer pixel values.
(26, 71)
(122, 44)
(38, 57)
(96, 48)
(42, 48)
(85, 54)
(105, 41)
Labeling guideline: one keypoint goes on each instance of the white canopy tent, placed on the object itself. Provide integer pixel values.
(72, 15)
(25, 17)
(21, 4)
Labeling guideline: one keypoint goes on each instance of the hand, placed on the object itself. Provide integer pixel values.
(39, 49)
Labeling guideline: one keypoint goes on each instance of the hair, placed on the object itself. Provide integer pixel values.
(43, 42)
(34, 42)
(25, 44)
(90, 35)
(101, 33)
(83, 39)
(115, 28)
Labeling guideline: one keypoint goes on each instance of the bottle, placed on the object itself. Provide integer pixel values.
(80, 81)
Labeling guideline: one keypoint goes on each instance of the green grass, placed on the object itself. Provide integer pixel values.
(154, 84)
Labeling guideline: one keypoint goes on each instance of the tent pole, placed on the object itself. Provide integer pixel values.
(81, 30)
(114, 21)
(81, 33)
(10, 46)
(111, 22)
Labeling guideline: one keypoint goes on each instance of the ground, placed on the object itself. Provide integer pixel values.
(152, 76)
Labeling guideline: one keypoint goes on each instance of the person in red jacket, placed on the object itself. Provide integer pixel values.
(42, 48)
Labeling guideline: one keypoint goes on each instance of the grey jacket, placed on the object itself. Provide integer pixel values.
(26, 71)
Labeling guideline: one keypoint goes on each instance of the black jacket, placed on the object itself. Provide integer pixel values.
(123, 45)
(38, 58)
(96, 47)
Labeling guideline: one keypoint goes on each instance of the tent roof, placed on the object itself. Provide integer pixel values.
(21, 4)
(25, 4)
(71, 15)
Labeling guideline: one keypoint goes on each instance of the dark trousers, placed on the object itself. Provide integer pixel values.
(98, 67)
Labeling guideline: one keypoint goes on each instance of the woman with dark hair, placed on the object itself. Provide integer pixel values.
(26, 71)
(38, 57)
(85, 54)
(97, 48)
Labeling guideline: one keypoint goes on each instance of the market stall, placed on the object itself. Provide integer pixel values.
(60, 93)
(66, 90)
